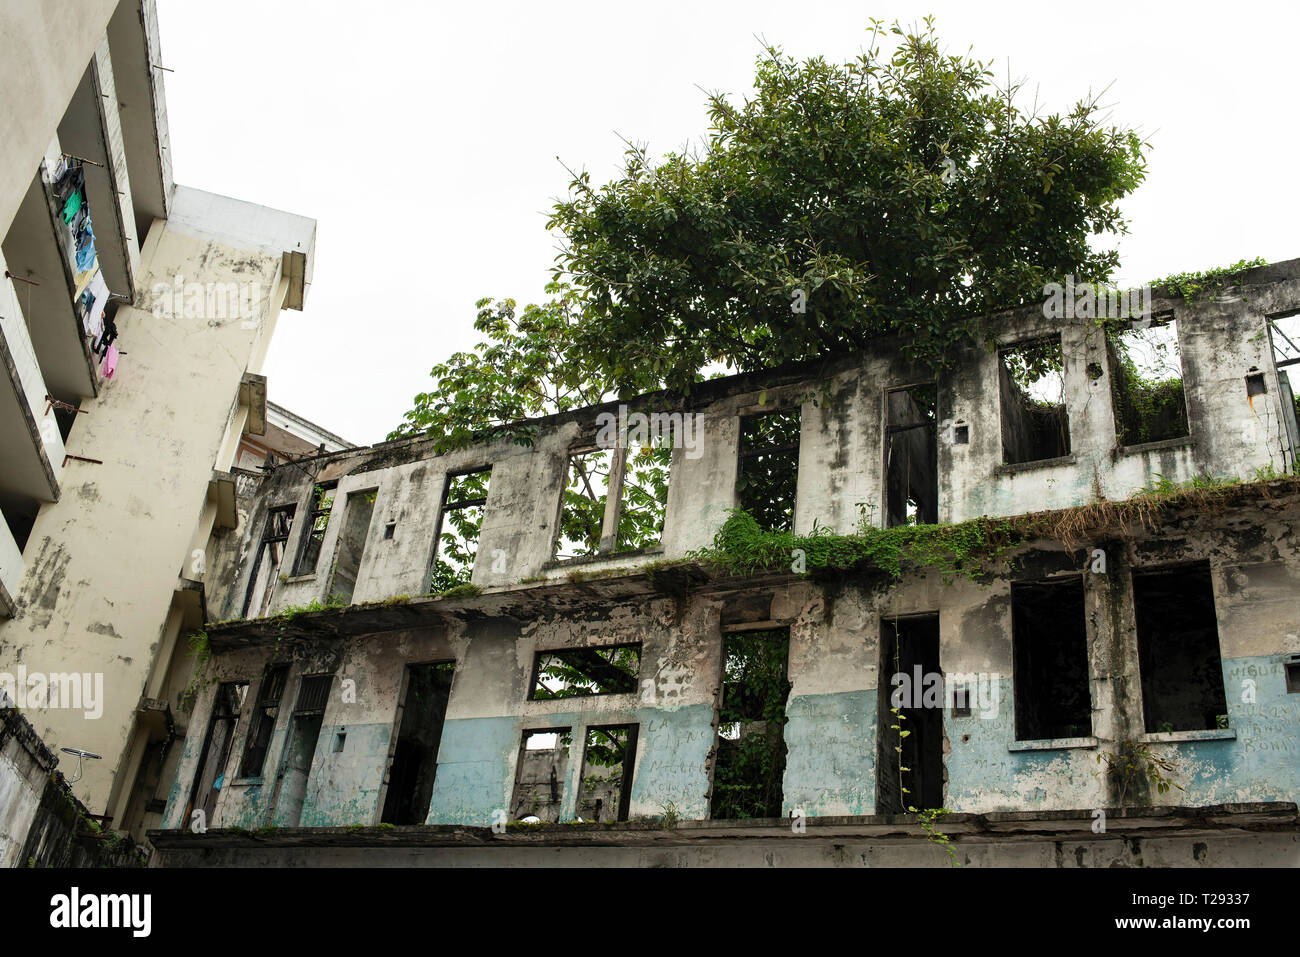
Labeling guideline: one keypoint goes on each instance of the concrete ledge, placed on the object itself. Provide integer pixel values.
(1053, 744)
(1002, 826)
(1173, 737)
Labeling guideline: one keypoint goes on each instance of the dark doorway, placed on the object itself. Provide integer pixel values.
(352, 544)
(911, 680)
(1178, 649)
(415, 758)
(1049, 637)
(209, 778)
(911, 457)
(300, 749)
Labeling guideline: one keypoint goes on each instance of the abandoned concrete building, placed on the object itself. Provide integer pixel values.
(535, 650)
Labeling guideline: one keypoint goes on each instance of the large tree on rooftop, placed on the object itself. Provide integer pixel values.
(892, 194)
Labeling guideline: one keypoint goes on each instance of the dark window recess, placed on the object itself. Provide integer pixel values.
(209, 778)
(912, 776)
(911, 457)
(1292, 677)
(263, 721)
(20, 515)
(1146, 384)
(767, 473)
(576, 672)
(1031, 382)
(1050, 647)
(357, 514)
(415, 757)
(1178, 649)
(266, 564)
(318, 520)
(300, 750)
(543, 769)
(460, 520)
(749, 768)
(1255, 384)
(605, 788)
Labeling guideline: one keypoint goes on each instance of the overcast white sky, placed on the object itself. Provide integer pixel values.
(423, 139)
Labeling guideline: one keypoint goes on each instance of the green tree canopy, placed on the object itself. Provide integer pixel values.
(902, 192)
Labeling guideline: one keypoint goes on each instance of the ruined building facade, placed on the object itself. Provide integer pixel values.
(590, 687)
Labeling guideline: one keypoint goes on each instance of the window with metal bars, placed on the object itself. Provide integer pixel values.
(460, 520)
(263, 722)
(313, 694)
(318, 519)
(270, 555)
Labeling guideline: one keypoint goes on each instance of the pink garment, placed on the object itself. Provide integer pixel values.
(110, 362)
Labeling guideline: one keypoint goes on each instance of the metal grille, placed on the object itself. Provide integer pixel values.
(313, 694)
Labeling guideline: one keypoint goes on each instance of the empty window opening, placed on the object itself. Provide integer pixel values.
(1031, 381)
(263, 722)
(1284, 333)
(911, 457)
(767, 473)
(749, 767)
(266, 564)
(299, 750)
(605, 788)
(539, 780)
(340, 742)
(460, 522)
(614, 501)
(1178, 649)
(318, 520)
(1049, 640)
(1147, 383)
(578, 672)
(210, 776)
(912, 776)
(351, 547)
(415, 756)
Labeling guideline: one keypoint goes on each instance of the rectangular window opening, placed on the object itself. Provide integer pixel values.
(318, 520)
(539, 780)
(1049, 640)
(911, 457)
(263, 721)
(1178, 649)
(300, 749)
(264, 577)
(1147, 383)
(210, 777)
(912, 776)
(767, 473)
(460, 522)
(1284, 334)
(579, 672)
(415, 756)
(1031, 382)
(357, 514)
(582, 510)
(605, 788)
(749, 767)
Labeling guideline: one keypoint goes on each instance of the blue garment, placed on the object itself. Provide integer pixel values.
(86, 249)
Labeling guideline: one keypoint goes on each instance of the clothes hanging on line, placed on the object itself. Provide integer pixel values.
(98, 290)
(85, 248)
(110, 362)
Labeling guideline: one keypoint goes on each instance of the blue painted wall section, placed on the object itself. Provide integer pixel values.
(475, 758)
(831, 757)
(673, 761)
(344, 785)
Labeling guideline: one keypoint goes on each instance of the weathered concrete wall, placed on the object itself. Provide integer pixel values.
(103, 563)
